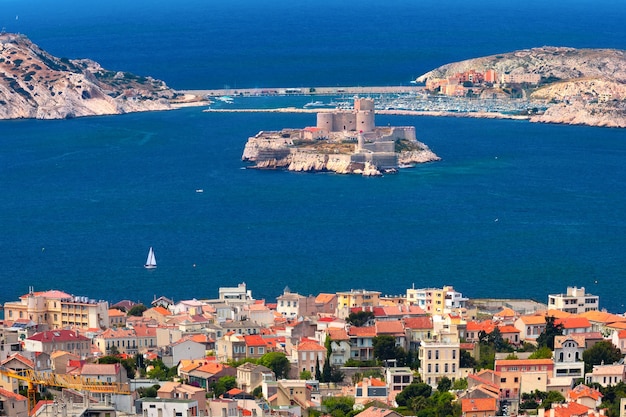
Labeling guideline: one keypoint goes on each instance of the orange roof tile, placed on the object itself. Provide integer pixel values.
(389, 327)
(366, 331)
(570, 410)
(309, 345)
(508, 329)
(505, 312)
(11, 395)
(584, 391)
(477, 326)
(418, 323)
(254, 340)
(338, 334)
(478, 404)
(324, 298)
(574, 322)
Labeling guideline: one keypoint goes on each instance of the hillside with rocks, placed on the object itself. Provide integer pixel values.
(578, 86)
(35, 84)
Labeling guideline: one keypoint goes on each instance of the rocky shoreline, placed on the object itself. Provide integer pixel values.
(35, 84)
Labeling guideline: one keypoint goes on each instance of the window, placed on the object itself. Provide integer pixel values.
(436, 367)
(445, 368)
(454, 354)
(429, 368)
(252, 351)
(429, 354)
(437, 354)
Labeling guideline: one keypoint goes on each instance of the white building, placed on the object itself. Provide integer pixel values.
(575, 301)
(160, 407)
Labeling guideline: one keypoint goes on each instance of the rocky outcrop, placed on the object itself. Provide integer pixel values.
(578, 86)
(35, 84)
(557, 63)
(276, 150)
(587, 101)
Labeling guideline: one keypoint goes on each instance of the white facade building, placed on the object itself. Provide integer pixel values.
(575, 301)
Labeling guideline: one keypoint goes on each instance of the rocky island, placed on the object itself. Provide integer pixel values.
(343, 141)
(575, 86)
(35, 84)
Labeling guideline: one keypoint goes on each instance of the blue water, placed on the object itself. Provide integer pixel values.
(513, 209)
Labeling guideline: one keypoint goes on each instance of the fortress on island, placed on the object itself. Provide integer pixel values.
(343, 141)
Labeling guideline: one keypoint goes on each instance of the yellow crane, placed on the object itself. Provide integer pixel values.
(77, 382)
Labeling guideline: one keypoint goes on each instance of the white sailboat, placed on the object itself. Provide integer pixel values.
(151, 261)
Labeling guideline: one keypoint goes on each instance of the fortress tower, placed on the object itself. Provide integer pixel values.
(359, 119)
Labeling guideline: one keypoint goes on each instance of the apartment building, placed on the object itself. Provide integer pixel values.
(575, 301)
(55, 309)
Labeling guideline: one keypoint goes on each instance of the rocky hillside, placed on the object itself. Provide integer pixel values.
(579, 86)
(552, 63)
(35, 84)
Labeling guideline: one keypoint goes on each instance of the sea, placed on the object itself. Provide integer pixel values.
(513, 209)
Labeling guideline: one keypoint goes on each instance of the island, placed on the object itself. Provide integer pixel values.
(35, 84)
(345, 141)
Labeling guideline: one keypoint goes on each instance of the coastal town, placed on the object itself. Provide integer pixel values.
(429, 351)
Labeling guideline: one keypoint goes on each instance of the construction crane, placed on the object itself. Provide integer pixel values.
(77, 382)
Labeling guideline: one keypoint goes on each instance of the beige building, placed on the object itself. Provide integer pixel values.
(12, 404)
(58, 310)
(439, 359)
(356, 298)
(575, 301)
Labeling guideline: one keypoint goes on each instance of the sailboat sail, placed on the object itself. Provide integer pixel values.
(151, 261)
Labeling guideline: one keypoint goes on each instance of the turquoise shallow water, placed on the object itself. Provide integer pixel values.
(513, 209)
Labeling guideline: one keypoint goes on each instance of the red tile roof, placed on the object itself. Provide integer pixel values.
(366, 331)
(478, 404)
(255, 340)
(58, 336)
(11, 395)
(418, 323)
(570, 410)
(389, 327)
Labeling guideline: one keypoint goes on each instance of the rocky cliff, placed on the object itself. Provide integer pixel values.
(35, 84)
(279, 150)
(579, 86)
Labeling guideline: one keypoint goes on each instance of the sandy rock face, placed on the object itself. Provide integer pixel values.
(35, 84)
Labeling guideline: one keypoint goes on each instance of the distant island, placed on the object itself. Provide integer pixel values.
(345, 141)
(35, 84)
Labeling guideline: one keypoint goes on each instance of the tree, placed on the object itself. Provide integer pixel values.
(360, 318)
(459, 384)
(336, 375)
(384, 347)
(223, 385)
(552, 397)
(444, 384)
(318, 371)
(338, 406)
(466, 360)
(258, 392)
(306, 375)
(546, 338)
(543, 352)
(327, 371)
(602, 352)
(277, 362)
(137, 310)
(414, 389)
